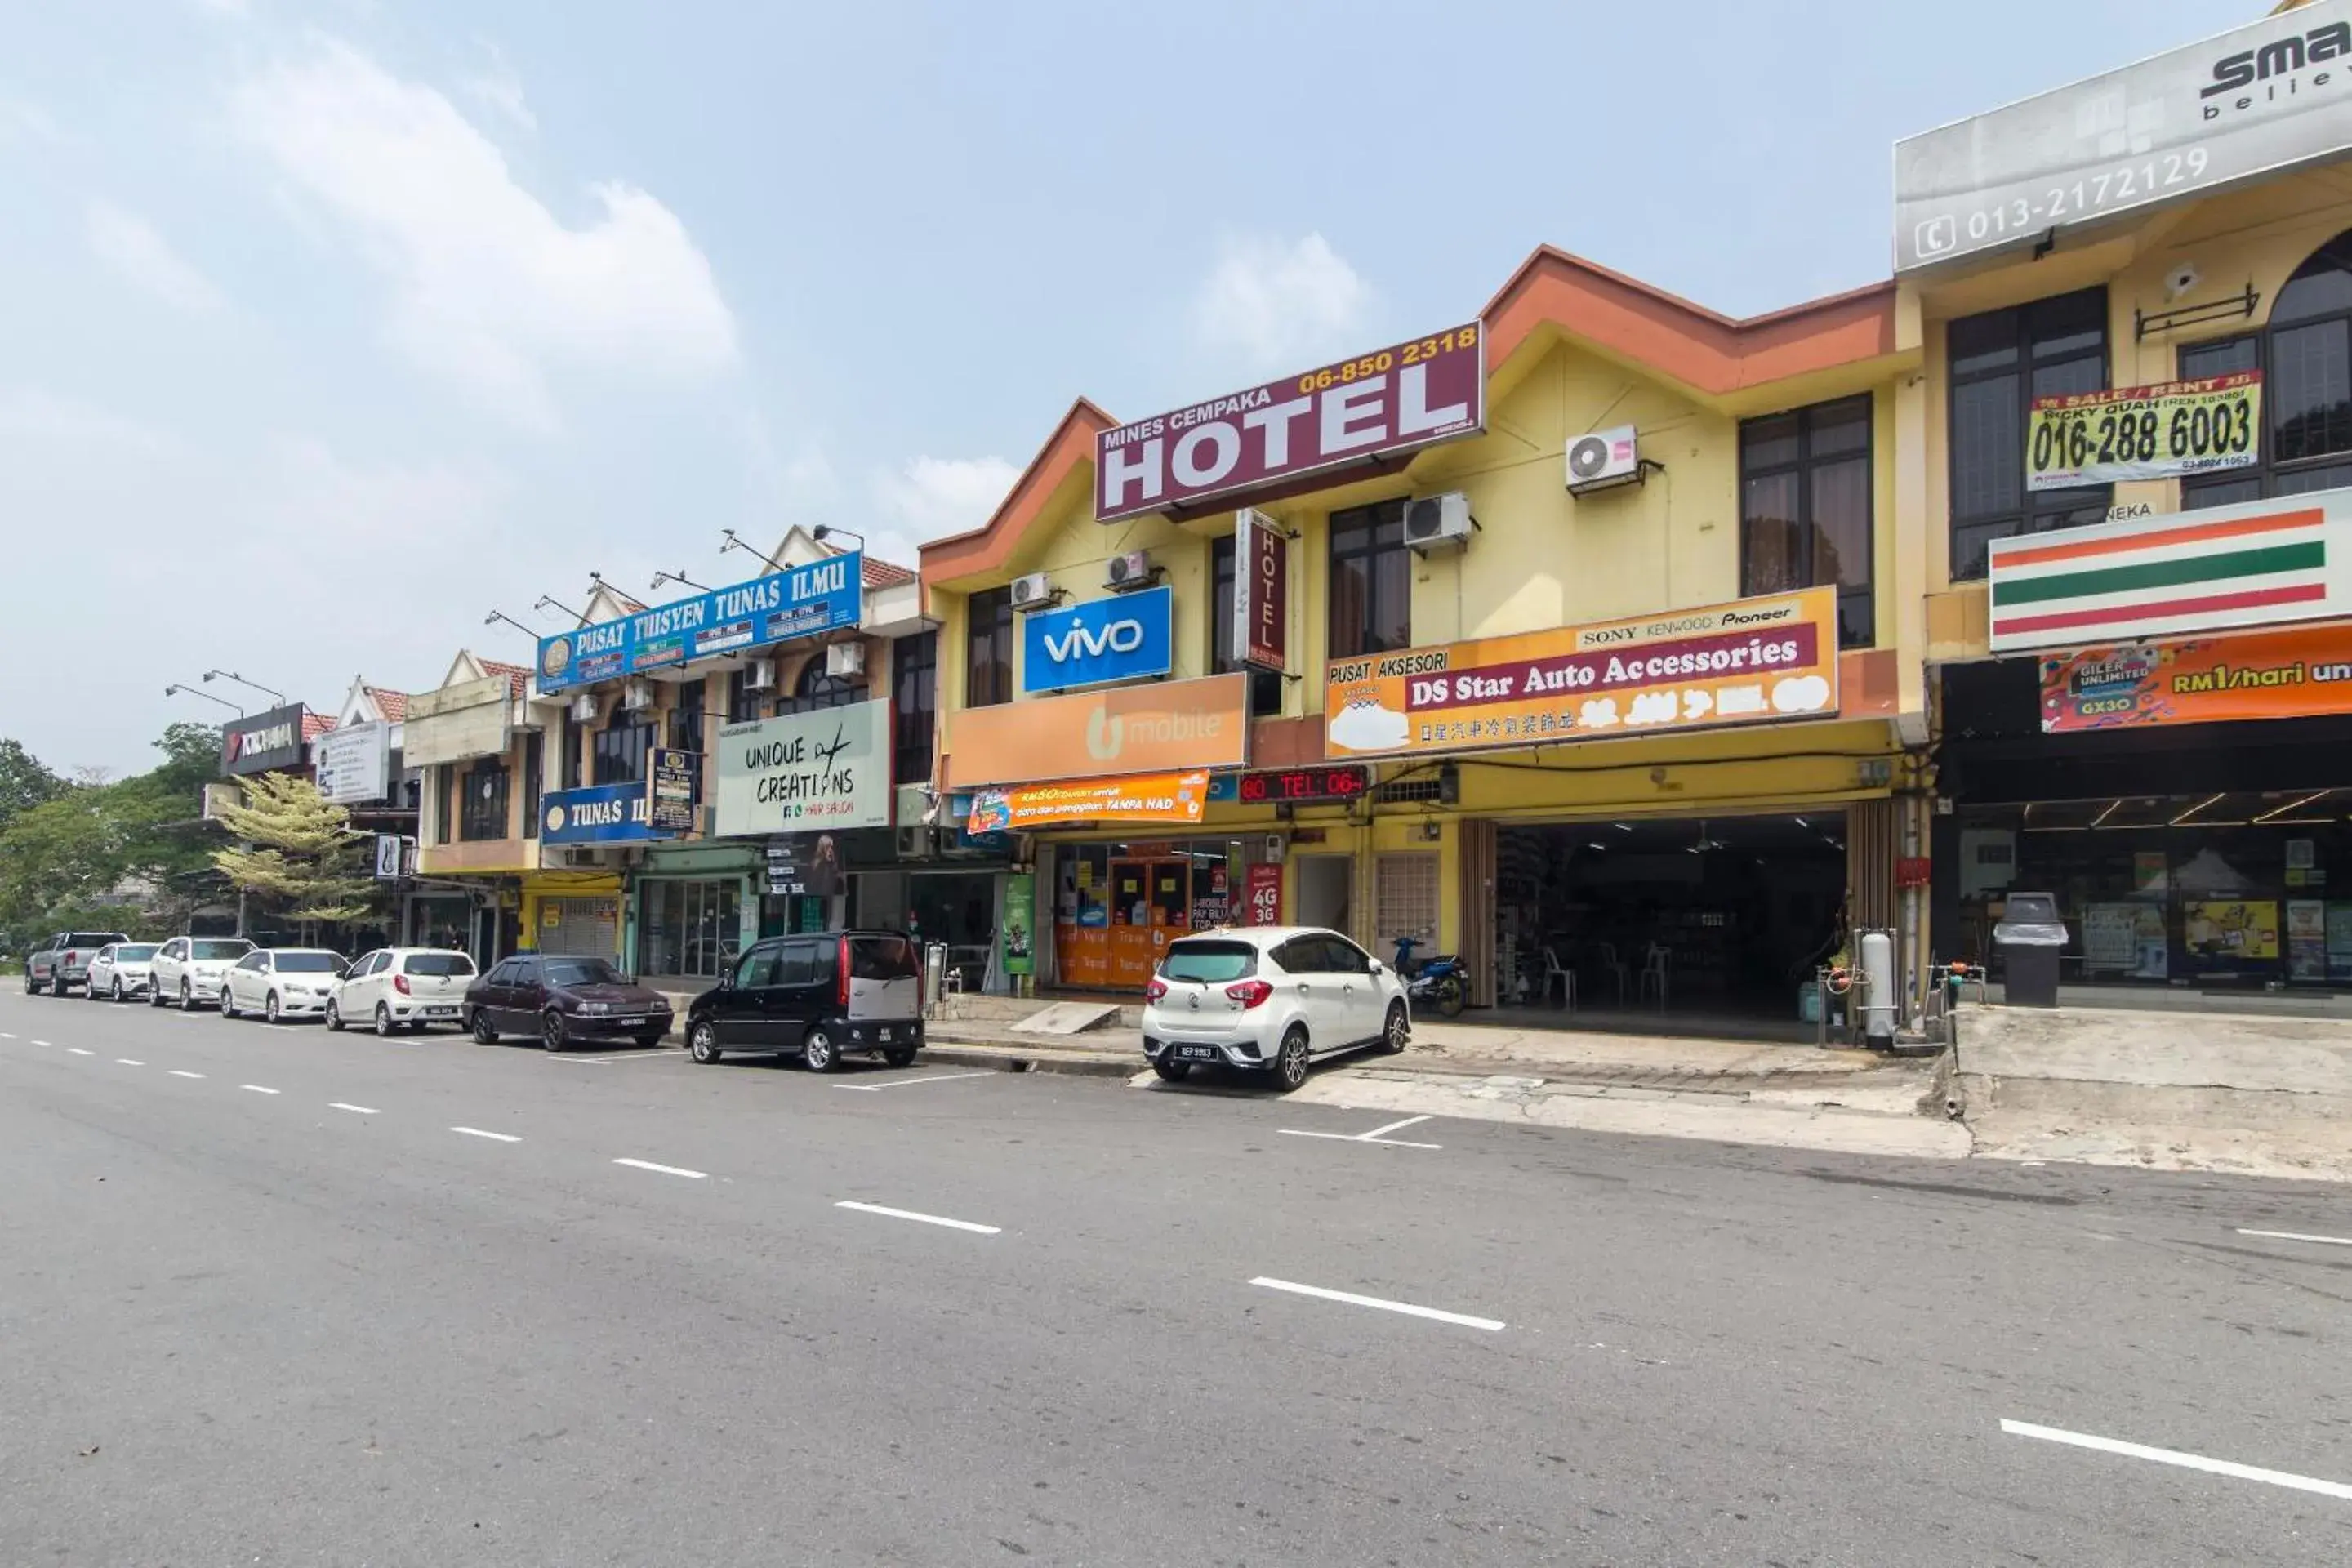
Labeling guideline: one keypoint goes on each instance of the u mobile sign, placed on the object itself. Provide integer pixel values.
(2259, 99)
(1391, 401)
(1126, 636)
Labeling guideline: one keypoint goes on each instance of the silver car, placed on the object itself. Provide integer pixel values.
(122, 972)
(188, 969)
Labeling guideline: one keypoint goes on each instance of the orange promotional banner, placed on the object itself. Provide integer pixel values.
(1148, 798)
(2260, 674)
(1741, 663)
(1168, 726)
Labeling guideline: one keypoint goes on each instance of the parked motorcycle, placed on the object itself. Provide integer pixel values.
(1439, 981)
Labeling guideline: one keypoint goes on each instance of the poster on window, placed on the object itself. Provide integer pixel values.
(2164, 432)
(2306, 939)
(1262, 898)
(1016, 932)
(2126, 938)
(2220, 933)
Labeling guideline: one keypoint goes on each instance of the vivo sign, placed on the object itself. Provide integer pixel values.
(1124, 637)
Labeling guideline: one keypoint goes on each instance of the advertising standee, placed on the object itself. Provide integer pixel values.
(671, 779)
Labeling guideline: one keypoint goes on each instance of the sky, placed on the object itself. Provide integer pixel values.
(328, 327)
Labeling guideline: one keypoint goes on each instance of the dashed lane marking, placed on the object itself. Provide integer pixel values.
(493, 1137)
(911, 1082)
(664, 1170)
(183, 1072)
(2174, 1456)
(354, 1110)
(2298, 1236)
(256, 1089)
(919, 1219)
(77, 1050)
(1349, 1298)
(127, 1062)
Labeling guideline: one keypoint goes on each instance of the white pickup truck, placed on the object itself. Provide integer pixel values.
(62, 962)
(188, 969)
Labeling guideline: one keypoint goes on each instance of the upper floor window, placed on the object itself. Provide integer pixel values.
(620, 750)
(444, 805)
(1804, 509)
(914, 681)
(1999, 363)
(742, 697)
(988, 648)
(819, 687)
(575, 754)
(686, 718)
(1372, 581)
(534, 759)
(482, 803)
(1265, 685)
(2306, 353)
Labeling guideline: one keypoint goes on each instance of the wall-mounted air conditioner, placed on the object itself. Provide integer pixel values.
(1438, 523)
(584, 708)
(1129, 572)
(1603, 461)
(844, 660)
(919, 843)
(637, 695)
(1034, 589)
(760, 675)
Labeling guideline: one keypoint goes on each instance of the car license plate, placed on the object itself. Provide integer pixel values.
(439, 1012)
(886, 1035)
(1200, 1053)
(630, 1023)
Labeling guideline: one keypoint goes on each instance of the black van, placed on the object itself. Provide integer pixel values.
(816, 997)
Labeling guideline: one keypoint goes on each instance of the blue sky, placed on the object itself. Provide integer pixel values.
(326, 328)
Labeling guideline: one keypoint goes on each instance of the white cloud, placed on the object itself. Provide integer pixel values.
(131, 249)
(932, 497)
(490, 288)
(497, 89)
(1275, 305)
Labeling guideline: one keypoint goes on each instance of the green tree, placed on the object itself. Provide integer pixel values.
(299, 852)
(132, 854)
(24, 782)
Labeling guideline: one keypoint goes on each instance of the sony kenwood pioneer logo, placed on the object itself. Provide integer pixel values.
(2273, 69)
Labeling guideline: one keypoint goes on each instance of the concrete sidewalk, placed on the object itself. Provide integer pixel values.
(2260, 1095)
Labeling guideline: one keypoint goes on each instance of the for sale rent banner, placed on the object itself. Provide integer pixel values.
(2144, 432)
(1741, 663)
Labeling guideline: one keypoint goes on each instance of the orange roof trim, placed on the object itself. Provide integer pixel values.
(980, 548)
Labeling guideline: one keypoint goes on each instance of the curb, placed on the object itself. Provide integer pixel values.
(1001, 1059)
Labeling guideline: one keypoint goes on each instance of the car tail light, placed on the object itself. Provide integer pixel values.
(841, 976)
(1249, 993)
(1156, 990)
(71, 955)
(400, 983)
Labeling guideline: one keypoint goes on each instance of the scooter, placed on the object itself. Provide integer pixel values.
(1441, 980)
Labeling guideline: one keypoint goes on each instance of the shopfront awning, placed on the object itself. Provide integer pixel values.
(1169, 798)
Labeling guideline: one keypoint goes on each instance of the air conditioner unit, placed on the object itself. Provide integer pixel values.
(1132, 570)
(580, 857)
(760, 675)
(1435, 522)
(584, 708)
(845, 659)
(1274, 846)
(1603, 461)
(917, 843)
(1032, 590)
(637, 695)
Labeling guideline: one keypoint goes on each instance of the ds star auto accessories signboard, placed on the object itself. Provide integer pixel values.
(1393, 400)
(800, 772)
(1746, 662)
(2144, 432)
(821, 597)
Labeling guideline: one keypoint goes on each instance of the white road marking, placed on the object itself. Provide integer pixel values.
(183, 1072)
(1372, 1137)
(663, 1169)
(1407, 1308)
(477, 1132)
(127, 1062)
(911, 1082)
(258, 1088)
(2174, 1456)
(77, 1050)
(5, 1035)
(2298, 1236)
(922, 1218)
(354, 1110)
(658, 1054)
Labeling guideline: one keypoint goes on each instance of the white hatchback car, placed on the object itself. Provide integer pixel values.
(122, 972)
(1271, 999)
(188, 969)
(278, 983)
(397, 987)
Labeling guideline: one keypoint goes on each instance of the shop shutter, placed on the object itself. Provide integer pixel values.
(589, 927)
(1872, 834)
(1474, 839)
(1404, 902)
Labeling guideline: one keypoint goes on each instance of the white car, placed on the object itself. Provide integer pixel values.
(120, 972)
(188, 969)
(1270, 999)
(396, 986)
(277, 983)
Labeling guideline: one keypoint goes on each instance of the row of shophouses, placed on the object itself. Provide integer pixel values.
(1636, 653)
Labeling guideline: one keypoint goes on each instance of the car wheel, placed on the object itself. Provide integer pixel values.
(479, 1024)
(382, 1022)
(154, 995)
(551, 1032)
(334, 1017)
(899, 1055)
(1171, 1069)
(818, 1050)
(227, 1002)
(270, 1008)
(702, 1043)
(187, 997)
(1290, 1060)
(1398, 1034)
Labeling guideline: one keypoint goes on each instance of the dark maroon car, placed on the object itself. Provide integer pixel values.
(563, 1000)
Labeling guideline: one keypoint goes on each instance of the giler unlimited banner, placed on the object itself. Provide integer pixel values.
(2260, 674)
(1741, 663)
(2144, 432)
(1177, 798)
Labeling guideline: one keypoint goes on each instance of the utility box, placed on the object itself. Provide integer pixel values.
(2030, 936)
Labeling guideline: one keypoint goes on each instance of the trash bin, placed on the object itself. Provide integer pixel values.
(2030, 936)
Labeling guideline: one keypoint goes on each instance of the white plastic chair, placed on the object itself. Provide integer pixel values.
(1653, 975)
(1555, 970)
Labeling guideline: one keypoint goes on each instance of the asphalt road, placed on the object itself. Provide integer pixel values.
(414, 1306)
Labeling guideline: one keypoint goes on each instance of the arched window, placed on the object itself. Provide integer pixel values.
(816, 688)
(2305, 358)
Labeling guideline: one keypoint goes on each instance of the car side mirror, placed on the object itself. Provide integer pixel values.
(1376, 967)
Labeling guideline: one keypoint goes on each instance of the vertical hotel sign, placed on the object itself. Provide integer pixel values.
(2222, 568)
(1261, 590)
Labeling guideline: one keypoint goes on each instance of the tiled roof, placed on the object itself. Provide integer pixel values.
(518, 676)
(316, 724)
(883, 575)
(393, 705)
